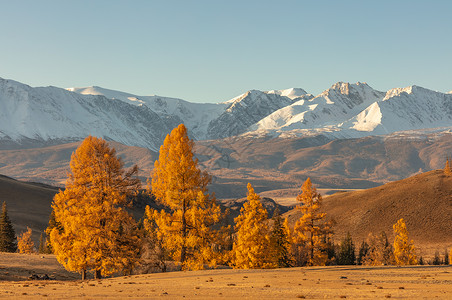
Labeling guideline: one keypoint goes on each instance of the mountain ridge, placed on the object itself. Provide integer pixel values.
(345, 110)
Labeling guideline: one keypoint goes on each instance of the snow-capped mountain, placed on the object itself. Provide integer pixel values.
(196, 116)
(248, 109)
(356, 110)
(404, 109)
(54, 114)
(210, 120)
(50, 114)
(341, 102)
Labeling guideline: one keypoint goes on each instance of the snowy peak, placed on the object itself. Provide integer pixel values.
(244, 111)
(291, 93)
(335, 105)
(53, 114)
(342, 111)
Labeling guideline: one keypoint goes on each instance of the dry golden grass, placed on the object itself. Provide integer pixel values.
(294, 283)
(424, 201)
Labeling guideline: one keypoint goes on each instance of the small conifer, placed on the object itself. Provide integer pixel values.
(279, 242)
(346, 255)
(363, 251)
(447, 169)
(8, 241)
(436, 259)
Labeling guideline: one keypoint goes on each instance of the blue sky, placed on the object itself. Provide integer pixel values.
(210, 51)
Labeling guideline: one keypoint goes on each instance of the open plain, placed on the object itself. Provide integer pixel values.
(357, 282)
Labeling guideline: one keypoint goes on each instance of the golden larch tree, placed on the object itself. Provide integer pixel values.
(447, 169)
(184, 229)
(311, 231)
(404, 251)
(92, 230)
(379, 252)
(25, 243)
(252, 248)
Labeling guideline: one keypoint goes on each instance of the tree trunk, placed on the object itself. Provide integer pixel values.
(184, 235)
(83, 274)
(97, 274)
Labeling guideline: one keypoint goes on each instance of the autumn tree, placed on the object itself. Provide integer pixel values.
(25, 243)
(311, 231)
(252, 247)
(279, 242)
(92, 229)
(184, 228)
(447, 169)
(380, 251)
(8, 241)
(404, 252)
(346, 255)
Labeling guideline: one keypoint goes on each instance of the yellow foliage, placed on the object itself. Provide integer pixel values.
(251, 249)
(177, 182)
(311, 230)
(404, 252)
(380, 251)
(447, 169)
(94, 230)
(24, 242)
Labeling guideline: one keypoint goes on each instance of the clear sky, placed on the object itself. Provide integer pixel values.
(210, 51)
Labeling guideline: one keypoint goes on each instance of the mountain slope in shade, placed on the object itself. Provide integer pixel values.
(424, 201)
(49, 114)
(247, 109)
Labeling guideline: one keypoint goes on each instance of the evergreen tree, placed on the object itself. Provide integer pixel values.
(421, 261)
(251, 249)
(279, 242)
(346, 255)
(42, 244)
(92, 229)
(185, 228)
(446, 257)
(312, 229)
(331, 252)
(24, 242)
(436, 259)
(52, 224)
(8, 241)
(447, 169)
(363, 251)
(404, 252)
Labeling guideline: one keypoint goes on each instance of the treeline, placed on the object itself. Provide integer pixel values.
(91, 229)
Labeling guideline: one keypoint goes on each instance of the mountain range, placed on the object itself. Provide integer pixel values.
(50, 115)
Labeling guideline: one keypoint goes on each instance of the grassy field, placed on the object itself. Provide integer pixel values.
(416, 282)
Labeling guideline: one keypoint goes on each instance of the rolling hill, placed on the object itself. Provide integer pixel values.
(423, 200)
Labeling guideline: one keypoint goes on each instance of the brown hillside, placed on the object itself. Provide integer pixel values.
(424, 201)
(28, 204)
